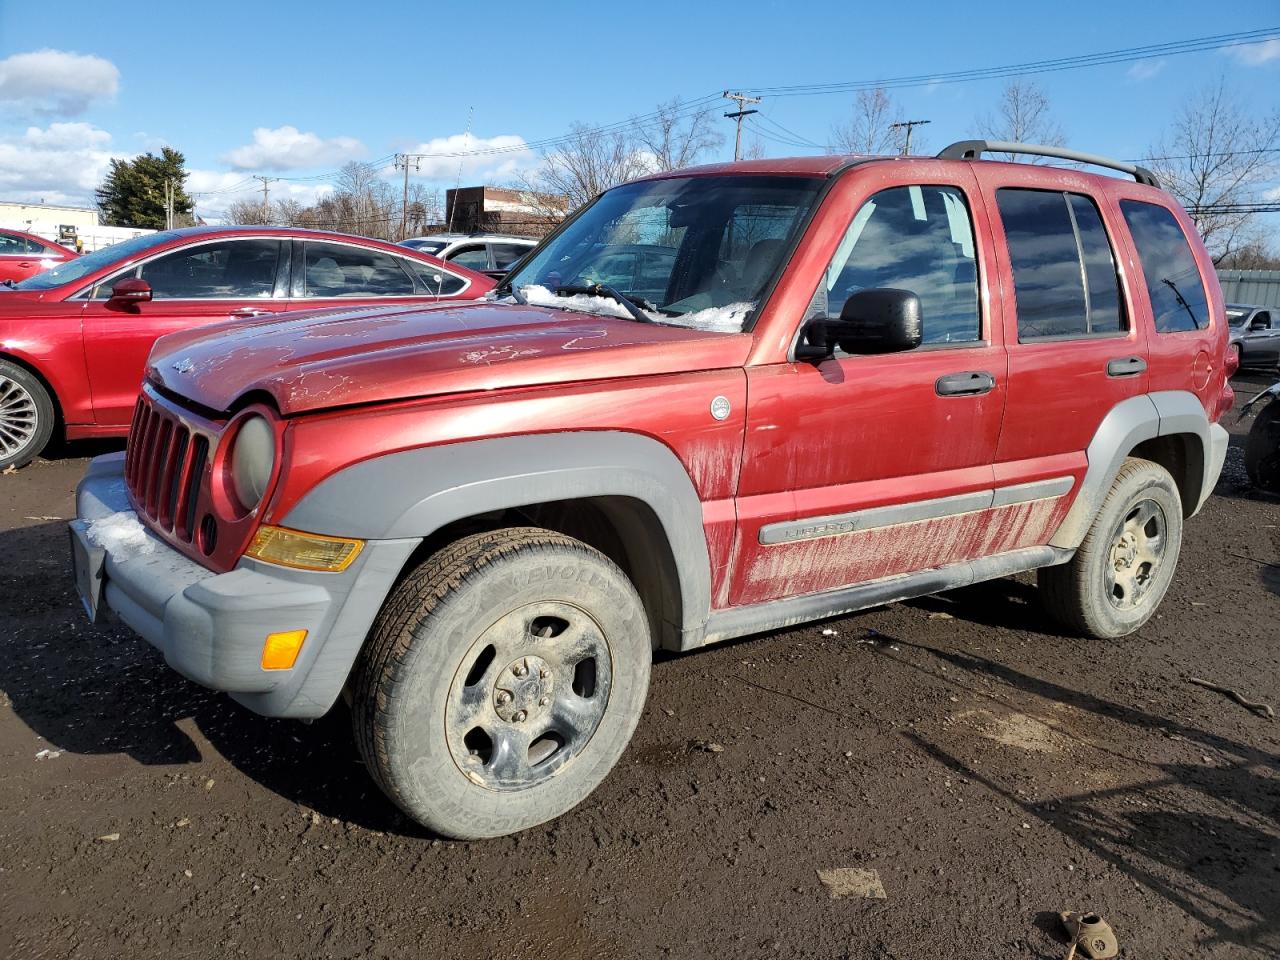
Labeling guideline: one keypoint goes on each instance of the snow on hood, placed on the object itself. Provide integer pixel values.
(726, 319)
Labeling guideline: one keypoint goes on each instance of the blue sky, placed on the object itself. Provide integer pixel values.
(295, 89)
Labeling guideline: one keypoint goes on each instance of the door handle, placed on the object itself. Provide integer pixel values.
(1125, 366)
(969, 384)
(242, 312)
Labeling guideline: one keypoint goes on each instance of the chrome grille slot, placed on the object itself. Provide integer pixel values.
(164, 463)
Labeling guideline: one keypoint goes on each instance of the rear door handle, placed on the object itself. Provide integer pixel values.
(1125, 366)
(968, 384)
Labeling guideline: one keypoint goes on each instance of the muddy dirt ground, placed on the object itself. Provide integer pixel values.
(990, 770)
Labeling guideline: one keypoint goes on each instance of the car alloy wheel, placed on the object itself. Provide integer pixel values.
(1137, 549)
(19, 417)
(528, 696)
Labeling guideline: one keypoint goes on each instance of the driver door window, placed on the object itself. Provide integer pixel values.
(474, 257)
(230, 270)
(916, 238)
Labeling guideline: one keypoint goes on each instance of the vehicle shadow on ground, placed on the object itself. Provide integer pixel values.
(1006, 603)
(1212, 867)
(100, 689)
(77, 449)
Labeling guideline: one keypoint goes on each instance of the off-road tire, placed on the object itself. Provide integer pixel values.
(1077, 593)
(27, 416)
(406, 678)
(1262, 449)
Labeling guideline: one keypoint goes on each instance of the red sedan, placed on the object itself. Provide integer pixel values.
(24, 254)
(74, 339)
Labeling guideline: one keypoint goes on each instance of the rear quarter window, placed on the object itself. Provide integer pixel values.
(1178, 300)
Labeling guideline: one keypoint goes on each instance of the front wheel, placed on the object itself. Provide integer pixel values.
(26, 416)
(1124, 566)
(501, 682)
(1262, 449)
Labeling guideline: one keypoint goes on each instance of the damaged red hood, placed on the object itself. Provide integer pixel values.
(317, 360)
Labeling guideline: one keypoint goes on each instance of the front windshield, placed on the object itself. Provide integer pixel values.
(1235, 316)
(689, 251)
(426, 246)
(82, 267)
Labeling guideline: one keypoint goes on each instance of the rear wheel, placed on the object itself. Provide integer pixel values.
(501, 682)
(26, 416)
(1262, 449)
(1125, 564)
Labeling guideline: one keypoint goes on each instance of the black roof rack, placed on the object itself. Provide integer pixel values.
(974, 149)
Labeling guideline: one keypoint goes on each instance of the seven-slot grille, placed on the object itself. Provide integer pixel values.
(164, 462)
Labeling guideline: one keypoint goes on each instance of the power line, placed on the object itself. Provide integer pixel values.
(738, 115)
(910, 125)
(1125, 55)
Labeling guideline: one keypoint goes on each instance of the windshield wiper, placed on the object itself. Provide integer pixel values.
(604, 290)
(514, 292)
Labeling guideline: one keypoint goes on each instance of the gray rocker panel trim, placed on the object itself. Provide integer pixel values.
(777, 614)
(416, 492)
(1126, 425)
(872, 518)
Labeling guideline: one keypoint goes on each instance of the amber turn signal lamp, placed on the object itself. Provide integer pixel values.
(303, 551)
(280, 651)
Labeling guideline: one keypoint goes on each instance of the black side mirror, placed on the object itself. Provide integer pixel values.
(882, 320)
(1257, 323)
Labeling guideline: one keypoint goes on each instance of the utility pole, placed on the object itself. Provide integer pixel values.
(909, 124)
(402, 162)
(168, 204)
(266, 202)
(742, 100)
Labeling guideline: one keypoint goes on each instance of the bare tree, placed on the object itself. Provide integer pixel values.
(677, 137)
(869, 127)
(587, 163)
(246, 212)
(1215, 157)
(1023, 115)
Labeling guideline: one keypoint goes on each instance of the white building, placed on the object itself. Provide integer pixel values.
(54, 221)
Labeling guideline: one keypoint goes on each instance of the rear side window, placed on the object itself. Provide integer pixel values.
(1173, 282)
(505, 254)
(434, 281)
(336, 270)
(1064, 272)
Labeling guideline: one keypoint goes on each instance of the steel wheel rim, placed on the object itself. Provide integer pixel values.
(1137, 553)
(528, 696)
(19, 417)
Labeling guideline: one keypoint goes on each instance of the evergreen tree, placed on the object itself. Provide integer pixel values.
(132, 194)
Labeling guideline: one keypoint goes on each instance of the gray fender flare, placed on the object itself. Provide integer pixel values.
(416, 492)
(1126, 425)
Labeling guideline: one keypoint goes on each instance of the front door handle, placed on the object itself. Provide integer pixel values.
(1125, 366)
(241, 312)
(968, 384)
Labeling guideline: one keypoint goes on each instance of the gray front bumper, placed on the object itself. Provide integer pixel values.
(211, 627)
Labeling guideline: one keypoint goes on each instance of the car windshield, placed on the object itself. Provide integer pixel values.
(82, 267)
(1235, 316)
(690, 251)
(426, 246)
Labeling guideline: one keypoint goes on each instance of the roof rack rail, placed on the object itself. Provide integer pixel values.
(974, 149)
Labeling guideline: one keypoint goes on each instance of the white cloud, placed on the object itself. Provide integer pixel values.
(288, 148)
(1256, 54)
(56, 83)
(481, 158)
(1145, 70)
(61, 163)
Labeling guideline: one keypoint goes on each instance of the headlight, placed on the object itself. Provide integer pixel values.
(253, 458)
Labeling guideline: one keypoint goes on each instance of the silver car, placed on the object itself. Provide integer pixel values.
(1255, 334)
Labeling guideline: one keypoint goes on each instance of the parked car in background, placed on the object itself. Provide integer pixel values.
(75, 338)
(489, 253)
(23, 255)
(1255, 336)
(851, 381)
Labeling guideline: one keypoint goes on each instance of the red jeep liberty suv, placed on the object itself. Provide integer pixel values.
(714, 402)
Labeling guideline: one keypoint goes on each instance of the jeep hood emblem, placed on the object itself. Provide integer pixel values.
(184, 366)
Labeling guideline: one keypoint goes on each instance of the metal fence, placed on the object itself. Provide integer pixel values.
(1253, 287)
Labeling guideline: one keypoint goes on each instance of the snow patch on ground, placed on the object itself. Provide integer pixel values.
(121, 535)
(726, 319)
